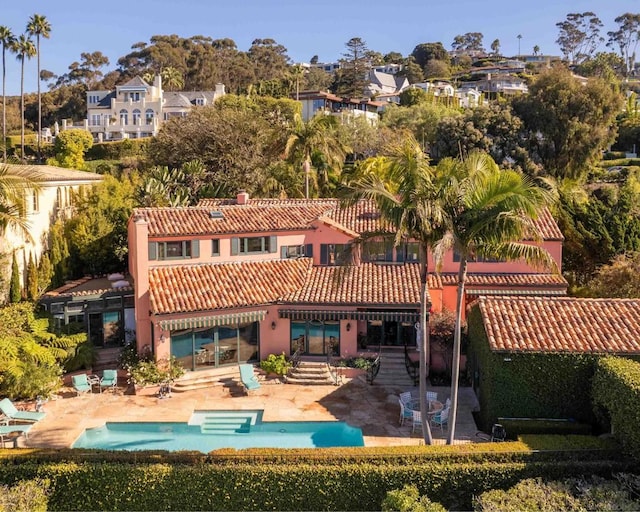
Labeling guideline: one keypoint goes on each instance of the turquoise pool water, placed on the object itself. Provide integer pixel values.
(211, 430)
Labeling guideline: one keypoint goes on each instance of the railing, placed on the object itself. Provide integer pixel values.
(372, 371)
(334, 369)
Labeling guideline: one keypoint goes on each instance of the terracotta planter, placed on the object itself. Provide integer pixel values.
(150, 390)
(350, 373)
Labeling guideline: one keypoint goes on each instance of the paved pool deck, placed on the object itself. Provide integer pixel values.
(373, 408)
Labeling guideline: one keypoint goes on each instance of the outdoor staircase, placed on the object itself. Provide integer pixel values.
(227, 422)
(310, 373)
(393, 371)
(228, 376)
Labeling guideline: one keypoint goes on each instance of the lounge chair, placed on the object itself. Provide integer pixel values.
(13, 414)
(5, 430)
(81, 383)
(109, 379)
(405, 397)
(248, 377)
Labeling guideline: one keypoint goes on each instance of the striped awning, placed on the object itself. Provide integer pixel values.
(178, 324)
(315, 314)
(508, 291)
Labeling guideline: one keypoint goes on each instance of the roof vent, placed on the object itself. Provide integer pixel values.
(216, 215)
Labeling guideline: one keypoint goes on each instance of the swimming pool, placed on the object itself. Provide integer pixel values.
(211, 430)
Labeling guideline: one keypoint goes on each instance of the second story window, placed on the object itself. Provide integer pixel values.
(148, 116)
(333, 254)
(409, 252)
(378, 251)
(254, 245)
(124, 117)
(296, 251)
(215, 247)
(174, 250)
(136, 117)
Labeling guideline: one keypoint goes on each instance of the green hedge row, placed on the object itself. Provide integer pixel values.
(616, 393)
(528, 385)
(117, 150)
(516, 427)
(362, 486)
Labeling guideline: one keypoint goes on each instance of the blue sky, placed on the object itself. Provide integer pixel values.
(304, 27)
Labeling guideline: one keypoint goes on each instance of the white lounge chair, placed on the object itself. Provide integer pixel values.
(14, 414)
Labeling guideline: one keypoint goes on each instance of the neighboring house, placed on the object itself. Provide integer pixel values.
(136, 109)
(385, 83)
(234, 280)
(492, 85)
(104, 305)
(390, 68)
(437, 88)
(534, 357)
(51, 201)
(320, 101)
(469, 98)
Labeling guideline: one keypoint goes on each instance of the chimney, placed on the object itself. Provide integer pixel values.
(219, 90)
(242, 197)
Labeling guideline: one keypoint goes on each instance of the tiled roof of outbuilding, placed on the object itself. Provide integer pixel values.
(482, 281)
(561, 324)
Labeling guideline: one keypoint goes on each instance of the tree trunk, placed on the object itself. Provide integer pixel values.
(455, 366)
(425, 306)
(306, 166)
(22, 111)
(39, 130)
(4, 106)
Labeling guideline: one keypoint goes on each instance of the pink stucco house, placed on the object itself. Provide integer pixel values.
(233, 280)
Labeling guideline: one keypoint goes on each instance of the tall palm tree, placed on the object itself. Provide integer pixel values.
(319, 134)
(403, 187)
(489, 213)
(24, 48)
(296, 74)
(6, 39)
(15, 183)
(39, 26)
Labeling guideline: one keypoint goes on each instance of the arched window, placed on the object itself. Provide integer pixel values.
(136, 117)
(148, 115)
(124, 117)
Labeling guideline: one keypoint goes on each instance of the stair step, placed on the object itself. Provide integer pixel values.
(222, 430)
(318, 382)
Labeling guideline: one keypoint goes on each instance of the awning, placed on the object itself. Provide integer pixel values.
(509, 291)
(179, 324)
(315, 314)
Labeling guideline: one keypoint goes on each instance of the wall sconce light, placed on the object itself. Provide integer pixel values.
(162, 338)
(273, 325)
(348, 326)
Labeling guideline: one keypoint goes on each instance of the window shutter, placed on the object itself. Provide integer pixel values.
(324, 254)
(273, 244)
(400, 250)
(235, 246)
(195, 248)
(308, 250)
(283, 252)
(153, 250)
(389, 251)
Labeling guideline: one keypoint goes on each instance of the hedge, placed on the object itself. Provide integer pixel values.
(322, 479)
(119, 149)
(363, 486)
(528, 385)
(616, 391)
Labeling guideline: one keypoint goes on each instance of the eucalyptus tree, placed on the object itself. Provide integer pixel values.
(626, 38)
(24, 48)
(39, 26)
(6, 40)
(579, 36)
(489, 213)
(402, 185)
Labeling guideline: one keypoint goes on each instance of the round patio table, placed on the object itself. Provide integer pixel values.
(434, 406)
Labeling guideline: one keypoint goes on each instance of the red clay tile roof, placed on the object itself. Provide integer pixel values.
(561, 324)
(186, 288)
(262, 215)
(88, 286)
(368, 283)
(477, 281)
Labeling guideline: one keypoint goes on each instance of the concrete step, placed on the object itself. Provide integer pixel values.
(225, 376)
(311, 382)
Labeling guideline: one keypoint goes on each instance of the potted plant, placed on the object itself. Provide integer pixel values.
(148, 374)
(276, 365)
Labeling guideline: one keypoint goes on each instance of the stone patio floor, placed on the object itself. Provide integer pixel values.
(373, 408)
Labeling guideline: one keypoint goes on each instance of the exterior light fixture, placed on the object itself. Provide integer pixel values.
(348, 326)
(273, 325)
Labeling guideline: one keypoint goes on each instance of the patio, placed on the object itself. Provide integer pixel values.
(373, 408)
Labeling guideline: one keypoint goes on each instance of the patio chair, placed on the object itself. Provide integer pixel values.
(441, 419)
(416, 420)
(6, 430)
(248, 378)
(405, 397)
(81, 383)
(13, 414)
(109, 380)
(432, 396)
(404, 412)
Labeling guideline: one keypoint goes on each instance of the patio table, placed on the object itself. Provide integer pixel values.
(434, 406)
(93, 381)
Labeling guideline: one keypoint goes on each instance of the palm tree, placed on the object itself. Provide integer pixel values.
(6, 39)
(489, 212)
(519, 39)
(172, 78)
(318, 135)
(39, 26)
(15, 182)
(296, 73)
(536, 50)
(404, 189)
(24, 48)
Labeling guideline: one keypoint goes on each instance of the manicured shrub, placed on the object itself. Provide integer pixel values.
(276, 364)
(24, 496)
(117, 150)
(408, 499)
